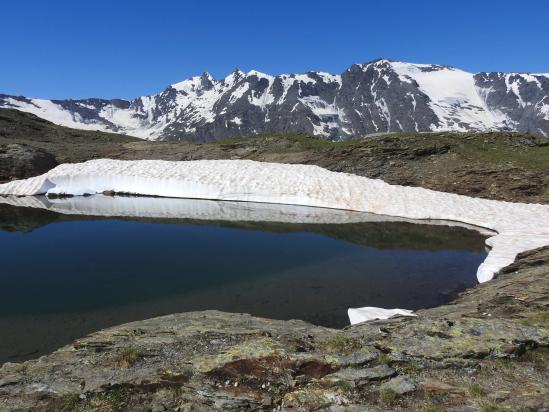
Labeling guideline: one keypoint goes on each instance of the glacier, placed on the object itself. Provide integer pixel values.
(516, 227)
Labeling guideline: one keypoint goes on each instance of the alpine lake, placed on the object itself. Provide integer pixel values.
(73, 266)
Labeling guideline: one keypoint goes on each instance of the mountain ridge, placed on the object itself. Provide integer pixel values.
(379, 96)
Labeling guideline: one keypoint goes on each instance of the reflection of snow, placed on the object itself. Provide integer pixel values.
(200, 209)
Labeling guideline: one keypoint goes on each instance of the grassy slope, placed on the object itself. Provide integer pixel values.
(495, 148)
(66, 144)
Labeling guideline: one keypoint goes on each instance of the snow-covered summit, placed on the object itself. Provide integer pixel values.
(379, 96)
(194, 83)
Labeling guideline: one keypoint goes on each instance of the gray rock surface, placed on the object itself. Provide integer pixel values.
(520, 103)
(359, 376)
(400, 385)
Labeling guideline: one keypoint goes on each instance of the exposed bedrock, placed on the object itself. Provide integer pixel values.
(467, 355)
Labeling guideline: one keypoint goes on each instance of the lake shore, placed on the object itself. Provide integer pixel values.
(466, 355)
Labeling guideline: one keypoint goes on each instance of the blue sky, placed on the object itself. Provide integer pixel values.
(61, 49)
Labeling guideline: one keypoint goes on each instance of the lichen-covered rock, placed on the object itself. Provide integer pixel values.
(400, 385)
(312, 399)
(359, 376)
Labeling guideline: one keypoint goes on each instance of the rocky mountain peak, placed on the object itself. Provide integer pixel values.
(382, 95)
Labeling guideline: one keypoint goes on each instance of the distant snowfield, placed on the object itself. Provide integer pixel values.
(451, 89)
(519, 227)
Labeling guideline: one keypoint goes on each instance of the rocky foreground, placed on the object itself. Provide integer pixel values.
(486, 351)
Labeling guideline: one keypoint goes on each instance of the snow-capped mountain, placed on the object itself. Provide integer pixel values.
(375, 97)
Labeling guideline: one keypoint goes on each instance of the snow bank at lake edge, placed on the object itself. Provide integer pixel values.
(519, 227)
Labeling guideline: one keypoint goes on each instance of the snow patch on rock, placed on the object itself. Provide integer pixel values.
(358, 315)
(453, 96)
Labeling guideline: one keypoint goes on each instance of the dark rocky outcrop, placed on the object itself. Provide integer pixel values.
(20, 161)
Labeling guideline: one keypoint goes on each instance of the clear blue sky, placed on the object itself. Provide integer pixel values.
(119, 48)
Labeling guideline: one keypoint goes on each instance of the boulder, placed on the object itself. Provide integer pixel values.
(19, 161)
(400, 385)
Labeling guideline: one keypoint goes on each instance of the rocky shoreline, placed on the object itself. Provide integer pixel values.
(488, 351)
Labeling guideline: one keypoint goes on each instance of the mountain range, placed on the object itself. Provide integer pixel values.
(375, 97)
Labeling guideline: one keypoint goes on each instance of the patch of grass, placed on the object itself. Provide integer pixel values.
(503, 364)
(539, 358)
(29, 126)
(495, 150)
(384, 359)
(476, 390)
(387, 396)
(344, 386)
(500, 367)
(113, 400)
(537, 319)
(128, 358)
(69, 402)
(408, 368)
(430, 408)
(340, 343)
(487, 148)
(491, 406)
(306, 141)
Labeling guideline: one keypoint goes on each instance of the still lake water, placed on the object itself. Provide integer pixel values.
(65, 276)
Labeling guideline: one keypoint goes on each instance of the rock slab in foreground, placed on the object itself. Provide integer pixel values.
(467, 355)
